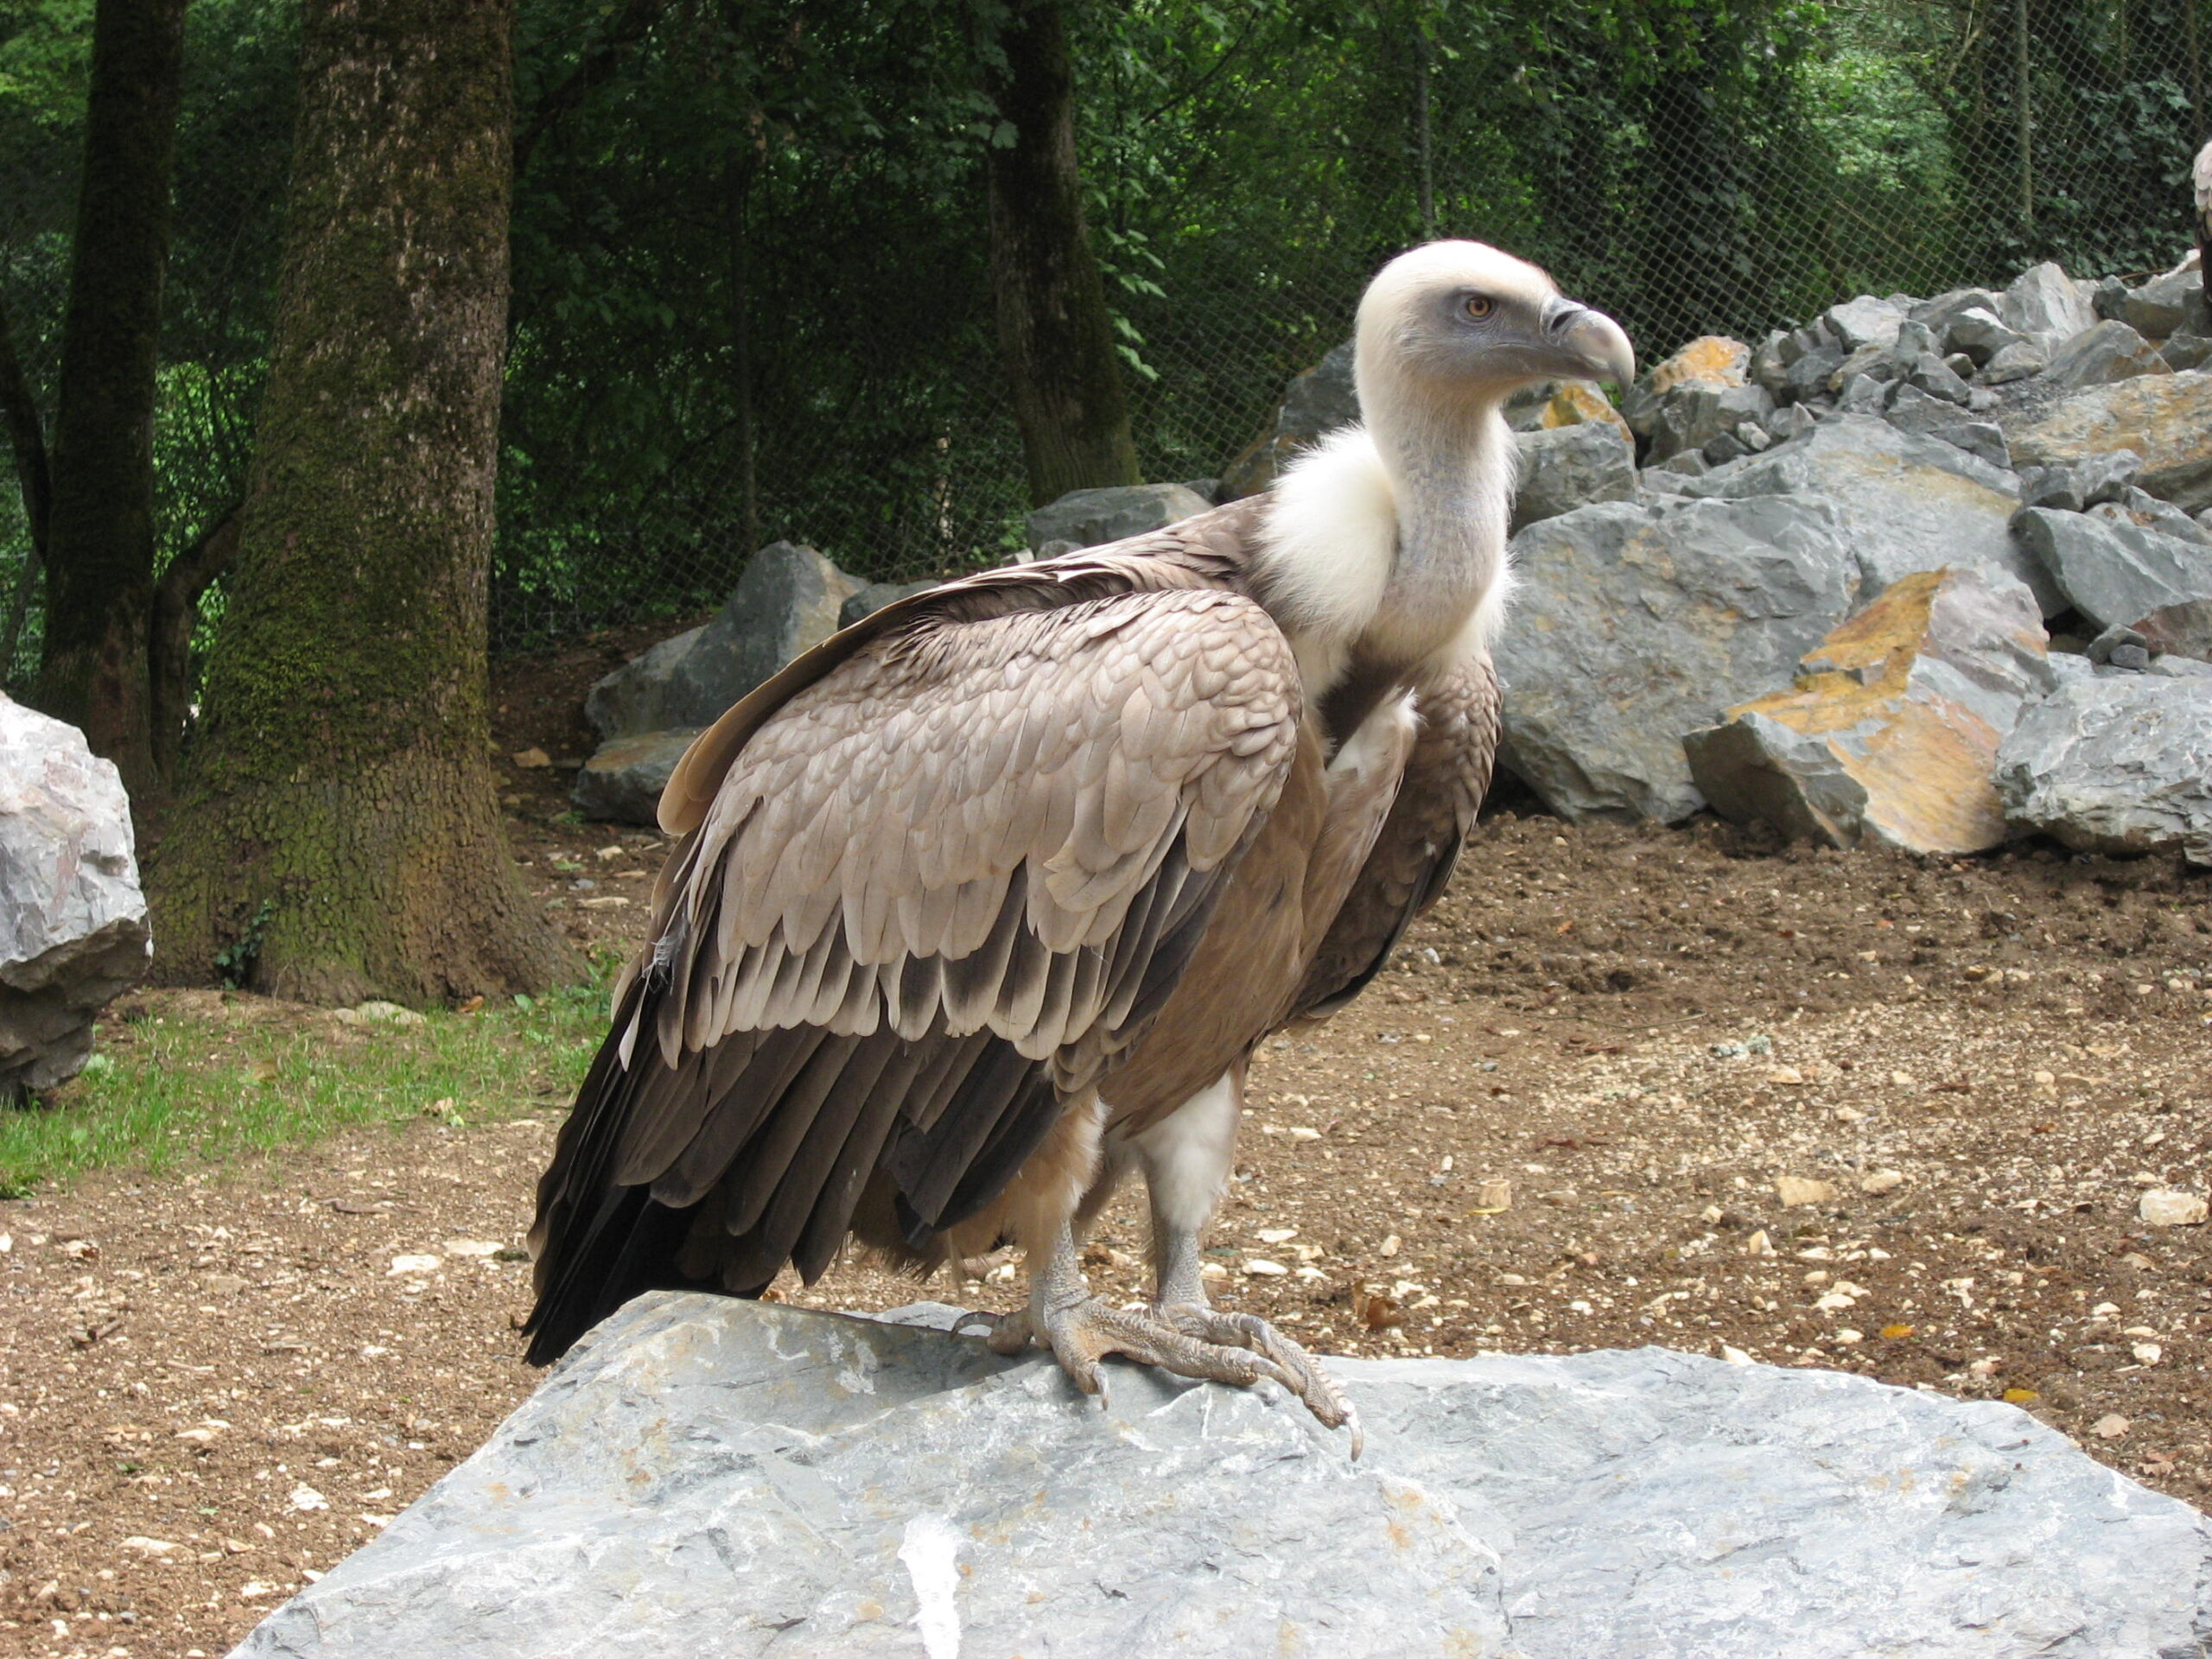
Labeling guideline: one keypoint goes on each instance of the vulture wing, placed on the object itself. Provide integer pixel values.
(949, 869)
(1443, 787)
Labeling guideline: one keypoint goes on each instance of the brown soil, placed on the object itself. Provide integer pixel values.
(1987, 1062)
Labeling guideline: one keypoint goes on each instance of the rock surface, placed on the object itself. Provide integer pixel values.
(2115, 574)
(2111, 351)
(877, 595)
(74, 933)
(1891, 733)
(1632, 625)
(706, 1475)
(787, 601)
(2115, 763)
(1092, 518)
(2166, 419)
(1909, 503)
(1564, 467)
(622, 781)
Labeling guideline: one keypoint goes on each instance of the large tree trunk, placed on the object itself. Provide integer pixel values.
(1054, 332)
(336, 826)
(99, 556)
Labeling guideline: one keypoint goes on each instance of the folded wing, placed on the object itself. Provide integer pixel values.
(935, 891)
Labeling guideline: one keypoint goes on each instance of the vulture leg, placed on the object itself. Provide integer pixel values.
(1185, 1159)
(1082, 1329)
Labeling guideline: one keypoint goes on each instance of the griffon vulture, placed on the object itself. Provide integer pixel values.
(987, 900)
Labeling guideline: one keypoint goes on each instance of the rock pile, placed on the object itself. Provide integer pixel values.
(703, 1475)
(1992, 477)
(73, 934)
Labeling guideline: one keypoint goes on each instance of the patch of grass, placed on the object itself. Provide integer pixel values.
(198, 1080)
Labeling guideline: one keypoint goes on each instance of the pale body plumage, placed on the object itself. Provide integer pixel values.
(984, 903)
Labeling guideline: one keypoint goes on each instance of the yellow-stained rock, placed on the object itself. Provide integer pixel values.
(1710, 359)
(1890, 733)
(1578, 401)
(2165, 418)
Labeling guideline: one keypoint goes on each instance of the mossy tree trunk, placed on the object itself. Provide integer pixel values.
(99, 528)
(1056, 337)
(335, 829)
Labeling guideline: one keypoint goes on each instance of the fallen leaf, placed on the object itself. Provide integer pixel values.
(2021, 1396)
(2110, 1427)
(530, 759)
(1795, 1190)
(1896, 1333)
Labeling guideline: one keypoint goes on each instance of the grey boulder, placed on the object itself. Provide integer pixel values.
(2044, 303)
(622, 781)
(1909, 502)
(2164, 303)
(1634, 624)
(2115, 573)
(2115, 763)
(706, 1475)
(1890, 732)
(2022, 361)
(1864, 321)
(787, 601)
(1977, 331)
(634, 697)
(2165, 418)
(1092, 518)
(877, 595)
(74, 933)
(1563, 467)
(2111, 351)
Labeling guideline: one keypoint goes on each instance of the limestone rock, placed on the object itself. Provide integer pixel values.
(2115, 763)
(877, 595)
(1092, 518)
(1574, 403)
(1635, 624)
(1712, 361)
(2180, 630)
(2044, 303)
(74, 933)
(2115, 573)
(1910, 502)
(634, 697)
(1891, 733)
(2022, 361)
(1567, 466)
(1977, 331)
(2166, 419)
(2109, 351)
(2164, 304)
(1864, 321)
(1315, 404)
(787, 601)
(2184, 350)
(707, 1476)
(622, 781)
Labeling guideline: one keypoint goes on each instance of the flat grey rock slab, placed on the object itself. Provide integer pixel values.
(74, 929)
(1633, 625)
(1910, 502)
(2115, 573)
(705, 1476)
(2115, 763)
(2166, 419)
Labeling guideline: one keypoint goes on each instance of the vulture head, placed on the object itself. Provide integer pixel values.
(1454, 324)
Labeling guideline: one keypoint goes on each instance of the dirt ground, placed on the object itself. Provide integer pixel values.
(1557, 1122)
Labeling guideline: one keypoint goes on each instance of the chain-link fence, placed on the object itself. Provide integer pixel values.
(751, 295)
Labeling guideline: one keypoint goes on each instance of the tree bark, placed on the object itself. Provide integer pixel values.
(184, 582)
(337, 803)
(1055, 335)
(99, 553)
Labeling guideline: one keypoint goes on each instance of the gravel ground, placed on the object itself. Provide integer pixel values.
(1626, 1086)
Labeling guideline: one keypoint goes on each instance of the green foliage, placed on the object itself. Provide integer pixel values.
(234, 962)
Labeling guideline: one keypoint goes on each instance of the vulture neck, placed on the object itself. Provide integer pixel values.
(1451, 473)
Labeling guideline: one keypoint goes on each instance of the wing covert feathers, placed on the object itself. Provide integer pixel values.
(943, 879)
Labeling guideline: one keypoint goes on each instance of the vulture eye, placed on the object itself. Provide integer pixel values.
(1480, 306)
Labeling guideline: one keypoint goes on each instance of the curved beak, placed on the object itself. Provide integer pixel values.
(1587, 345)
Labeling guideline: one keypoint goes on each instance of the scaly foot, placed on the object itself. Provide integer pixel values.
(1187, 1340)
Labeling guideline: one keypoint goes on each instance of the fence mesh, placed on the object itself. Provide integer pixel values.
(750, 291)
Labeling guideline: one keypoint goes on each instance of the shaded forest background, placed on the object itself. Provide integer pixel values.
(749, 251)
